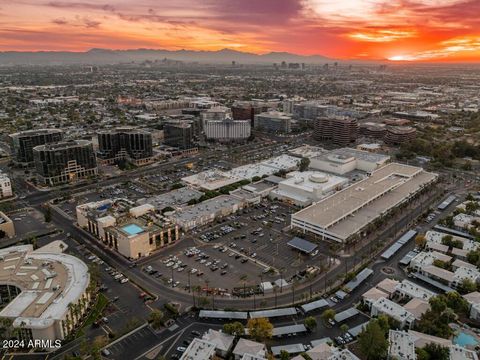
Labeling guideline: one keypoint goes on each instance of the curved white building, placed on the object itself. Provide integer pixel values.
(46, 290)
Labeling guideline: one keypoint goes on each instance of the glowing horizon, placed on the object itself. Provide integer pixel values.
(398, 30)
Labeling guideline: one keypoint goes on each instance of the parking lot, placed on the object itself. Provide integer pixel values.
(243, 250)
(132, 191)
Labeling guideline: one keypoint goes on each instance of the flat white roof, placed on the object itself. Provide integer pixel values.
(49, 282)
(401, 346)
(349, 210)
(413, 290)
(311, 181)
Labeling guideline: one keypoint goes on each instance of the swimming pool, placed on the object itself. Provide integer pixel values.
(132, 229)
(464, 339)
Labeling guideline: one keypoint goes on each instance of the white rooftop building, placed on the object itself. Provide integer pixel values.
(396, 311)
(5, 186)
(411, 290)
(473, 300)
(345, 213)
(344, 160)
(245, 346)
(464, 221)
(46, 282)
(401, 345)
(303, 188)
(223, 342)
(199, 349)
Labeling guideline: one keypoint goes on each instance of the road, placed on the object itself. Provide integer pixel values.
(287, 297)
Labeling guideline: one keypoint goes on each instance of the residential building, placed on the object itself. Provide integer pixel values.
(199, 349)
(44, 291)
(223, 342)
(125, 144)
(64, 162)
(23, 143)
(245, 346)
(473, 300)
(410, 290)
(401, 346)
(385, 306)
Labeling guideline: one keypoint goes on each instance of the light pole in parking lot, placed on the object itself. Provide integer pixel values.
(173, 280)
(188, 281)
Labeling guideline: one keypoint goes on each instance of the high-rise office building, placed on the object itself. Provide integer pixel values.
(243, 110)
(23, 143)
(64, 162)
(178, 134)
(397, 135)
(132, 145)
(227, 130)
(274, 122)
(339, 130)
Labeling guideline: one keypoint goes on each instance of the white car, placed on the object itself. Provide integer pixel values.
(124, 280)
(314, 253)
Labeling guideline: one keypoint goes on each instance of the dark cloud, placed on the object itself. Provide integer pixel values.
(80, 5)
(89, 23)
(60, 21)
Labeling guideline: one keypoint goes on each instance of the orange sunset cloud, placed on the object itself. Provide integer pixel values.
(406, 30)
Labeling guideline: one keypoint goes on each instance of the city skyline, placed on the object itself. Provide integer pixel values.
(416, 30)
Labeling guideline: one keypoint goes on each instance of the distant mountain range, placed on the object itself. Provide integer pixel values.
(105, 56)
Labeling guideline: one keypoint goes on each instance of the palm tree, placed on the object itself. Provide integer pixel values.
(244, 278)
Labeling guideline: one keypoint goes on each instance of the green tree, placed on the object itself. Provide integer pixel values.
(260, 329)
(420, 241)
(344, 328)
(328, 314)
(467, 286)
(304, 164)
(433, 351)
(284, 355)
(234, 328)
(48, 214)
(155, 318)
(310, 322)
(373, 342)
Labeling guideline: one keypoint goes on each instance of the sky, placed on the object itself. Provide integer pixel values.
(399, 30)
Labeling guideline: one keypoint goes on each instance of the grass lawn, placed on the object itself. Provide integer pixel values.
(102, 302)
